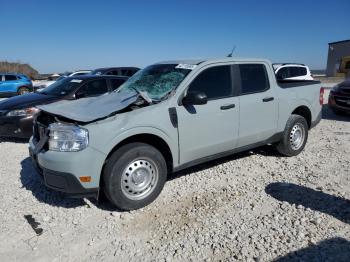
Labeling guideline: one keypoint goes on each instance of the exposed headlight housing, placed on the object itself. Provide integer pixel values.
(67, 137)
(23, 112)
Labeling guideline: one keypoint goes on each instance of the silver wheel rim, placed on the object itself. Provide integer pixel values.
(297, 136)
(139, 179)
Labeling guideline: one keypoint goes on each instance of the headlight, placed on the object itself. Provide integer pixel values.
(23, 112)
(67, 138)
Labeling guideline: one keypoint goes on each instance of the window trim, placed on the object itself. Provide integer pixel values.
(234, 92)
(240, 81)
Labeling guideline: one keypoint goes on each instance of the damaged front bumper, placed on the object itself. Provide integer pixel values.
(61, 171)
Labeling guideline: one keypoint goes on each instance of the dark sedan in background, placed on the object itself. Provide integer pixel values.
(339, 98)
(16, 113)
(117, 71)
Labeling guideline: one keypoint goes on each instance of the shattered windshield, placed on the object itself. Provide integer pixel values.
(156, 80)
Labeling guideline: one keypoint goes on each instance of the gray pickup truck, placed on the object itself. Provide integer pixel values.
(167, 117)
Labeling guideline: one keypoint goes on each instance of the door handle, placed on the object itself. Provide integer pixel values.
(225, 107)
(268, 99)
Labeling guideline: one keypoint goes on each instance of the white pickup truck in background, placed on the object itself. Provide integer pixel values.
(292, 71)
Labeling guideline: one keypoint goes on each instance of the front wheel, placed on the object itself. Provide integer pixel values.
(134, 176)
(294, 136)
(23, 90)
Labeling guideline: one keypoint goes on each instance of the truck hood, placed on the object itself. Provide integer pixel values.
(91, 109)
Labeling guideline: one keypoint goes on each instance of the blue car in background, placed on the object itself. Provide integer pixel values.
(12, 84)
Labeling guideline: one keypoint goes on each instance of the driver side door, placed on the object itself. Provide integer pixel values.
(212, 128)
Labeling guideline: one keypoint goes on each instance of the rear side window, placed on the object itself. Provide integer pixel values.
(254, 78)
(297, 71)
(94, 88)
(10, 77)
(215, 82)
(131, 72)
(114, 73)
(283, 73)
(116, 83)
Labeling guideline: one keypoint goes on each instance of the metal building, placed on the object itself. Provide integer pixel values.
(338, 63)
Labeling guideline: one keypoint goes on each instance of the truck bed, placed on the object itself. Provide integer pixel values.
(296, 83)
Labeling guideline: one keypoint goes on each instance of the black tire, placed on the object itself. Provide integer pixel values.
(286, 146)
(116, 169)
(23, 90)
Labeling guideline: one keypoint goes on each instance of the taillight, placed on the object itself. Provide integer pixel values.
(321, 95)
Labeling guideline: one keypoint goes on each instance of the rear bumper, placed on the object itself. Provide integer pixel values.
(63, 182)
(17, 126)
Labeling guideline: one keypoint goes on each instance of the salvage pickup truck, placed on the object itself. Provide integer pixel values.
(167, 117)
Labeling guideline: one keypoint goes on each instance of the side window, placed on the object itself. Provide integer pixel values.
(114, 73)
(215, 82)
(10, 77)
(283, 73)
(254, 78)
(93, 88)
(294, 71)
(131, 72)
(297, 71)
(116, 83)
(303, 71)
(0, 78)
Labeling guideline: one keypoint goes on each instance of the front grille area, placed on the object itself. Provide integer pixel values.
(342, 101)
(345, 91)
(41, 124)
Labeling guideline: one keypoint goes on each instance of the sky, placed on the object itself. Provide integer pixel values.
(59, 36)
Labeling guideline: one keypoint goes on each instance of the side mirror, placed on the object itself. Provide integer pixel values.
(195, 98)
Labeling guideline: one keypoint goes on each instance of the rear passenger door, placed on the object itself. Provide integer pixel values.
(212, 128)
(258, 105)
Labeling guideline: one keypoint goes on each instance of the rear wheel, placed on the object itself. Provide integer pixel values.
(23, 90)
(134, 176)
(294, 136)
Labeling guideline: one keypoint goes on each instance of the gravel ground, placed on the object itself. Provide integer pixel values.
(254, 206)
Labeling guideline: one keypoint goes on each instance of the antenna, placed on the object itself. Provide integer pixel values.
(233, 49)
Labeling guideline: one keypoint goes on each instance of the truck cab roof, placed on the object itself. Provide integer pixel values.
(214, 60)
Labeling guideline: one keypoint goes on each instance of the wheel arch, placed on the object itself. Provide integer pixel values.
(21, 86)
(305, 112)
(148, 138)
